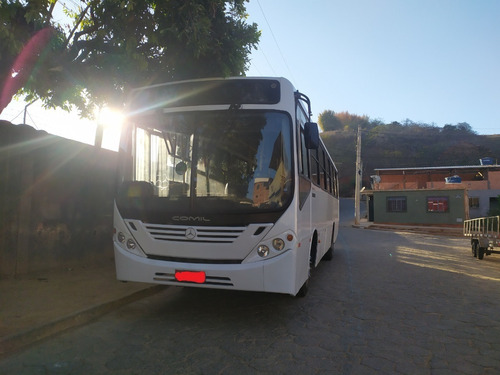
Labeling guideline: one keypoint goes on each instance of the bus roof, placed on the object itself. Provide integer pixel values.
(233, 91)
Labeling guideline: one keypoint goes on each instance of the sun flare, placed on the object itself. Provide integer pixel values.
(111, 120)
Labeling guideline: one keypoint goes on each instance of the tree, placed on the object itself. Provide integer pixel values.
(350, 121)
(111, 46)
(462, 127)
(327, 121)
(23, 36)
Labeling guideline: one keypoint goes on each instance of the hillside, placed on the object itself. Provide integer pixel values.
(396, 146)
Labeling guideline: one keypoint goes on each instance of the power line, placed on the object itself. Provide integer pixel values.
(33, 121)
(267, 60)
(16, 116)
(276, 43)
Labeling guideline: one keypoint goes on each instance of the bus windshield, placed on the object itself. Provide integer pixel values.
(232, 161)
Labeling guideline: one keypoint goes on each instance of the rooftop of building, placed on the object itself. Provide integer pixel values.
(442, 168)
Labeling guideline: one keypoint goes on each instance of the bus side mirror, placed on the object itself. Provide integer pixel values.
(311, 135)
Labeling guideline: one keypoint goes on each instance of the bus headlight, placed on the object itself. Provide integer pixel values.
(278, 244)
(121, 237)
(263, 251)
(131, 244)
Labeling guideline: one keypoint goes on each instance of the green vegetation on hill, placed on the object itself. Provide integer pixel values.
(399, 145)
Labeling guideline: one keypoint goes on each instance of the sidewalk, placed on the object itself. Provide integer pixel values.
(422, 229)
(35, 307)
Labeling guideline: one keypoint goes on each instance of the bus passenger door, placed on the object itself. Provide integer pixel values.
(304, 211)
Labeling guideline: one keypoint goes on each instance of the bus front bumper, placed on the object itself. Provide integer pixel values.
(273, 275)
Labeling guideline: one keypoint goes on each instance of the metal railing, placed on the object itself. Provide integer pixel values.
(483, 227)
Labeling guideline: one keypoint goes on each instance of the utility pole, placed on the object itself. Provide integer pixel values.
(357, 191)
(26, 110)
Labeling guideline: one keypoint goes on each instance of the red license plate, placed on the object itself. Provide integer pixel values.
(197, 277)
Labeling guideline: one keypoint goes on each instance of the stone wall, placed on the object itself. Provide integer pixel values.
(56, 200)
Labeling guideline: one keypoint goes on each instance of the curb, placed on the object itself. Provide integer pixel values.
(440, 231)
(21, 340)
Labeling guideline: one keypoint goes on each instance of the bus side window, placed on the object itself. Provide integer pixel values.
(335, 183)
(304, 155)
(323, 172)
(329, 178)
(315, 171)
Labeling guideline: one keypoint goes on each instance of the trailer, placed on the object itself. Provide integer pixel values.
(484, 233)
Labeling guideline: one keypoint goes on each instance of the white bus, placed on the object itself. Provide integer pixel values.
(225, 183)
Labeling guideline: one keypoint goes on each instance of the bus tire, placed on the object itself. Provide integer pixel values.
(329, 254)
(312, 259)
(303, 289)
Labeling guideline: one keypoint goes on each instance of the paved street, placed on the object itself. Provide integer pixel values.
(388, 303)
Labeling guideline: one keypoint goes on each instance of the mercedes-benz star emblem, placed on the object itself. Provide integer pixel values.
(190, 233)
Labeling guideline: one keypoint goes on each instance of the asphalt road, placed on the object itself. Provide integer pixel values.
(388, 303)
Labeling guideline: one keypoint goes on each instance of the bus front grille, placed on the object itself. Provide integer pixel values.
(194, 260)
(194, 234)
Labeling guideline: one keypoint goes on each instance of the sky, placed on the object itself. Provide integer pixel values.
(430, 61)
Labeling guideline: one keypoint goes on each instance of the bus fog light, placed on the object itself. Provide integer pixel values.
(121, 237)
(131, 244)
(278, 244)
(263, 251)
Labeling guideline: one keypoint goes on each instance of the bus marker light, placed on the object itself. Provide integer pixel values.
(198, 277)
(289, 237)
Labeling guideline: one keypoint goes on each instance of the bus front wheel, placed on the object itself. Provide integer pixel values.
(312, 259)
(303, 289)
(329, 254)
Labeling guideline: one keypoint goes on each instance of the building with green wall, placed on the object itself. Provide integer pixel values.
(423, 206)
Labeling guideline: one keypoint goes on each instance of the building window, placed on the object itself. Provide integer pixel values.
(473, 202)
(396, 204)
(437, 204)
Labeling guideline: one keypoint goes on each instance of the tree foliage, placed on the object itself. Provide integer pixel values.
(327, 121)
(111, 46)
(351, 122)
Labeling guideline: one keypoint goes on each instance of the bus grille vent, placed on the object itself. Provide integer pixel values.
(210, 280)
(194, 234)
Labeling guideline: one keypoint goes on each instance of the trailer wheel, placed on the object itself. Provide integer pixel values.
(480, 252)
(475, 246)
